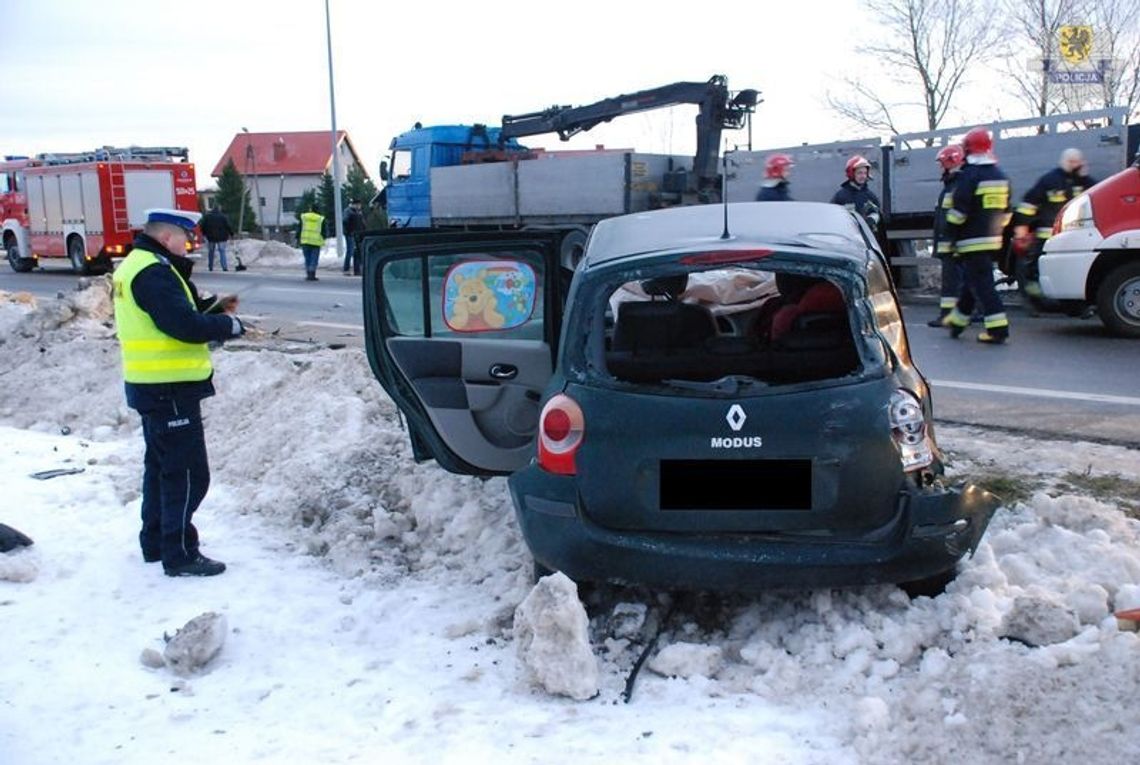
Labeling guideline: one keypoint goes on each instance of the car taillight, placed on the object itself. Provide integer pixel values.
(908, 428)
(561, 428)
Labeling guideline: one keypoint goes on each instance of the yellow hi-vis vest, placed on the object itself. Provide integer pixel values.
(311, 228)
(150, 355)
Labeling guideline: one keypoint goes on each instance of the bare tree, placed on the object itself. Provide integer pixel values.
(926, 47)
(1033, 27)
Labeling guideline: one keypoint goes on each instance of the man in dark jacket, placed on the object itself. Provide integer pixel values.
(216, 229)
(854, 194)
(353, 228)
(1033, 220)
(974, 224)
(167, 371)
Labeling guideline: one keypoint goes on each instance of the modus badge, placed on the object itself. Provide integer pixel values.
(736, 419)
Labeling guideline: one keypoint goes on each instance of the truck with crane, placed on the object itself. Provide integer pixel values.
(476, 177)
(85, 208)
(481, 178)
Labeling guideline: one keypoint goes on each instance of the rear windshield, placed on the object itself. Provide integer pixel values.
(772, 326)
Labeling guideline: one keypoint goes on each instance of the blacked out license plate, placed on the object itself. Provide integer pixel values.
(735, 484)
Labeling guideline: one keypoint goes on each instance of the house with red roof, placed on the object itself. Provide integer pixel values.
(279, 167)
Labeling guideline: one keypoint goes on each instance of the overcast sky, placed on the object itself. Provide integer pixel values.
(119, 72)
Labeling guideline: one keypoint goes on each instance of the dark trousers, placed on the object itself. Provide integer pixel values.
(351, 255)
(312, 255)
(978, 280)
(951, 282)
(220, 247)
(176, 475)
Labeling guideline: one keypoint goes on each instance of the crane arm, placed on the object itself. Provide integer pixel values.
(716, 111)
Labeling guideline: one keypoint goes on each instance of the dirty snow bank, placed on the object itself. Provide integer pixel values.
(1020, 660)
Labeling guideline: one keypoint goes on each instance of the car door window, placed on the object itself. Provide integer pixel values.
(507, 289)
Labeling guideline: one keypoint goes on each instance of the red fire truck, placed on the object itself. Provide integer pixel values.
(87, 207)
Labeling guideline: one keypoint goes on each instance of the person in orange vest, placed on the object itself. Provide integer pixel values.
(163, 336)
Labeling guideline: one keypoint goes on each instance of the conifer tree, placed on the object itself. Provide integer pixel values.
(232, 195)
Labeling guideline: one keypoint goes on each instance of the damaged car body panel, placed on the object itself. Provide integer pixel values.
(728, 412)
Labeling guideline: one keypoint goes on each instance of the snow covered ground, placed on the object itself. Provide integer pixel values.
(371, 601)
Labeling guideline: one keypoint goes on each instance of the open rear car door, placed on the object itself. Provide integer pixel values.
(461, 330)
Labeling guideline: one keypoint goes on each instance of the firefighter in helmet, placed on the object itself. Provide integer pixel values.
(774, 187)
(856, 195)
(1033, 219)
(950, 159)
(974, 223)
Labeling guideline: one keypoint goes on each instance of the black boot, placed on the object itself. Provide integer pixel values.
(199, 565)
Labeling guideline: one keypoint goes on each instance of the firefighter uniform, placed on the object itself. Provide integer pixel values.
(974, 222)
(774, 190)
(944, 248)
(1038, 210)
(167, 372)
(861, 199)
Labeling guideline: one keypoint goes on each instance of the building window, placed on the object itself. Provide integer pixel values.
(290, 204)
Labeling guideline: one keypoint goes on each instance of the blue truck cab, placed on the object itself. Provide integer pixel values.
(417, 151)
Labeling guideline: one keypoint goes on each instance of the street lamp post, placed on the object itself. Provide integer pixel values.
(251, 165)
(335, 148)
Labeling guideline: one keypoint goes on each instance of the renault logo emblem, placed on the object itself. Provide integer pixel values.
(736, 417)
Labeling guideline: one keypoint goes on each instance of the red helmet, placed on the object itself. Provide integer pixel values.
(777, 165)
(855, 163)
(978, 141)
(951, 157)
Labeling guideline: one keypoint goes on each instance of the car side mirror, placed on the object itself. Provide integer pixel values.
(383, 170)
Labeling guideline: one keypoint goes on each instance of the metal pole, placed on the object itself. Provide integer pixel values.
(335, 148)
(257, 192)
(241, 205)
(280, 199)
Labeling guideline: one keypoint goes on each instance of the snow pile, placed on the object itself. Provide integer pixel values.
(392, 587)
(20, 565)
(553, 644)
(86, 309)
(196, 643)
(272, 254)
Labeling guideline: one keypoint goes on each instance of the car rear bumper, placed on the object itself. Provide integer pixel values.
(931, 531)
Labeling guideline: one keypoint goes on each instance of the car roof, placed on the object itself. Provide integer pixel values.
(830, 229)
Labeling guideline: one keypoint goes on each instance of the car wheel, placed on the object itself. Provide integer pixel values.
(1118, 300)
(931, 586)
(18, 264)
(75, 255)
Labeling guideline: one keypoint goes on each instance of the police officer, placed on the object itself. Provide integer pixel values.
(1033, 221)
(950, 159)
(312, 238)
(167, 371)
(774, 187)
(854, 194)
(974, 224)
